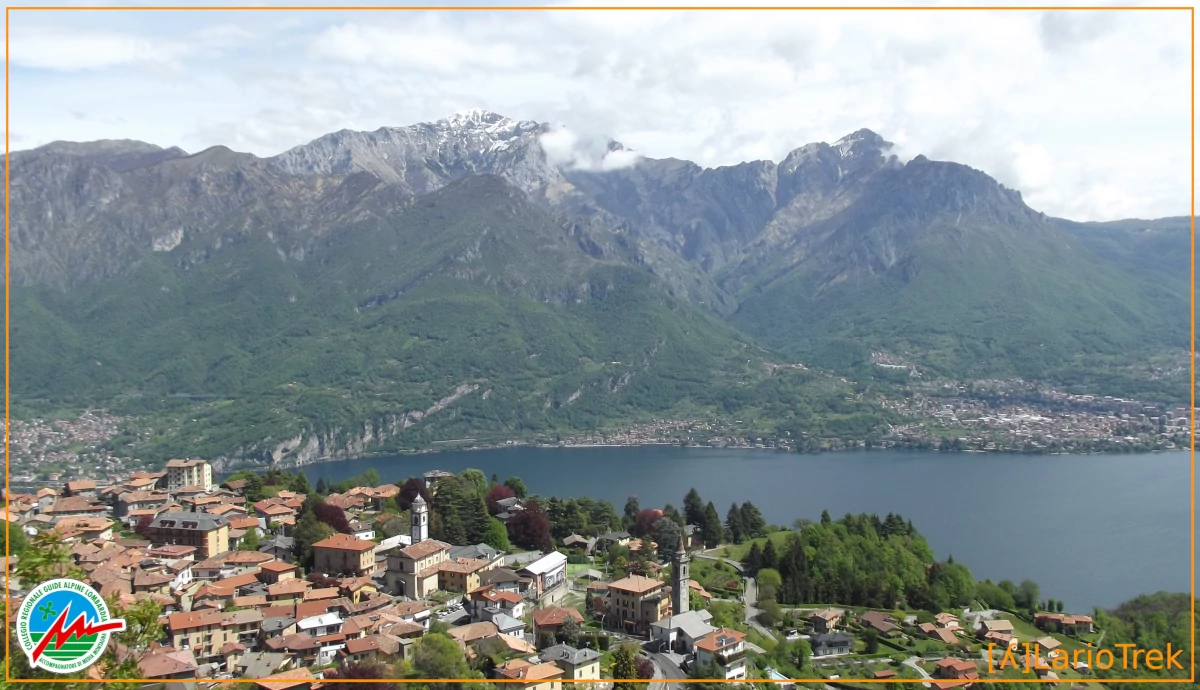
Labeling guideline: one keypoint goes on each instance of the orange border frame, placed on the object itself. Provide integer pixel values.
(1191, 11)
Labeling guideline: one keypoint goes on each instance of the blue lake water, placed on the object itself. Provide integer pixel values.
(1092, 530)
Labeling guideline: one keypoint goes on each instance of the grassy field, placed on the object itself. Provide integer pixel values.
(738, 552)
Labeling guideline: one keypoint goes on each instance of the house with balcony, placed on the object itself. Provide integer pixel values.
(724, 649)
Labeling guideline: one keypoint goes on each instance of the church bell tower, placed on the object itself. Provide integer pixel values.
(681, 591)
(420, 519)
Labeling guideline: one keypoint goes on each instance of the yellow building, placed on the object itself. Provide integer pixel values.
(344, 554)
(461, 574)
(413, 571)
(202, 632)
(635, 602)
(577, 664)
(533, 676)
(208, 533)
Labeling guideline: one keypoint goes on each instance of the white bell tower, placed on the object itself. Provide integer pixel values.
(420, 519)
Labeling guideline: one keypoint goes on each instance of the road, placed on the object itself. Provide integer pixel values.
(912, 662)
(667, 670)
(749, 599)
(736, 565)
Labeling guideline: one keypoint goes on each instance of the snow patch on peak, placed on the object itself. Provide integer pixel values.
(863, 139)
(475, 116)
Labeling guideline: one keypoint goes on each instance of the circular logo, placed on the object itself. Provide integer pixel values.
(63, 625)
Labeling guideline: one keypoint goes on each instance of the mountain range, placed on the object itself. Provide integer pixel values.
(447, 280)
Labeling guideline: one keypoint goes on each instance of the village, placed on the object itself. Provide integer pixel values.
(244, 591)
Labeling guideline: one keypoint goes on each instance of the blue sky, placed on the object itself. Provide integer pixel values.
(1086, 113)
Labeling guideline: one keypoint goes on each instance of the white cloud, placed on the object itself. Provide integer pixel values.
(566, 148)
(1065, 107)
(71, 49)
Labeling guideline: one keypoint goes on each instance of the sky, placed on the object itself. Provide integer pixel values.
(1086, 113)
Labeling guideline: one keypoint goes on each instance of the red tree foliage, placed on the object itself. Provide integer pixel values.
(143, 526)
(644, 524)
(408, 493)
(645, 668)
(497, 493)
(530, 528)
(333, 516)
(335, 679)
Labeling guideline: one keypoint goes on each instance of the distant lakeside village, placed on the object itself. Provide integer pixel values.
(987, 416)
(266, 578)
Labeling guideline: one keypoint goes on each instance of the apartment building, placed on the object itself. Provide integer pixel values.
(181, 473)
(208, 533)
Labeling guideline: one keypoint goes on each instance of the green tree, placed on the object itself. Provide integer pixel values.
(1027, 595)
(825, 519)
(253, 490)
(625, 666)
(569, 632)
(870, 641)
(141, 628)
(299, 484)
(667, 533)
(15, 540)
(309, 530)
(770, 557)
(517, 486)
(754, 525)
(46, 558)
(711, 528)
(436, 655)
(496, 535)
(754, 559)
(371, 478)
(475, 479)
(733, 524)
(250, 541)
(693, 508)
(769, 582)
(322, 487)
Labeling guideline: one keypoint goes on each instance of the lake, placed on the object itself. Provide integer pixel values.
(1092, 530)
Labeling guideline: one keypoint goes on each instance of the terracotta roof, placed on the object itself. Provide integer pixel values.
(287, 679)
(345, 542)
(961, 665)
(720, 639)
(635, 584)
(462, 565)
(386, 644)
(142, 578)
(277, 567)
(544, 618)
(519, 669)
(424, 548)
(193, 619)
(474, 631)
(324, 593)
(409, 608)
(167, 664)
(290, 586)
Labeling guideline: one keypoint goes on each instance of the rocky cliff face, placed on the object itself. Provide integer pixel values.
(474, 197)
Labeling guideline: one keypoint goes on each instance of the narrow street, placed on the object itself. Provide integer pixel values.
(749, 599)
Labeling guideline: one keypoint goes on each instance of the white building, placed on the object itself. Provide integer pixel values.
(680, 632)
(181, 473)
(324, 624)
(726, 649)
(547, 572)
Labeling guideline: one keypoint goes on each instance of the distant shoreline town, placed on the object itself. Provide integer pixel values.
(991, 416)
